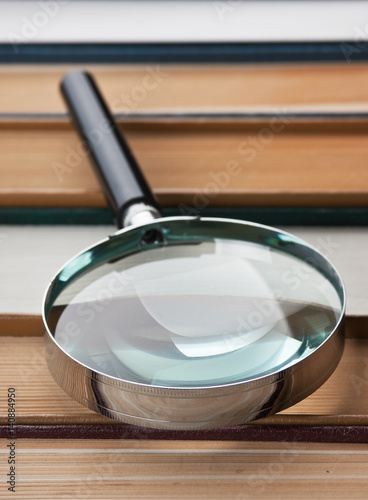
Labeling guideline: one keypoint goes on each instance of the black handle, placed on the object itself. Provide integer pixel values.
(118, 172)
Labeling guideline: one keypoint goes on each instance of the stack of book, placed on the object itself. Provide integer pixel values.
(278, 143)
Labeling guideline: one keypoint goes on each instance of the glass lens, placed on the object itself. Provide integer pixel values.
(202, 312)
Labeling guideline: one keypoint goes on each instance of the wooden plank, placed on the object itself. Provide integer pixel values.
(341, 401)
(67, 469)
(195, 166)
(294, 87)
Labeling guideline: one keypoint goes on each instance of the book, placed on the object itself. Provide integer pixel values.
(162, 470)
(340, 401)
(270, 162)
(268, 135)
(298, 87)
(31, 255)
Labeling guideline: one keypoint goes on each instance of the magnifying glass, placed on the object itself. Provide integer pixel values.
(185, 322)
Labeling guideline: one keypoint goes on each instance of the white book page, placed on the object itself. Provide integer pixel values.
(31, 255)
(139, 21)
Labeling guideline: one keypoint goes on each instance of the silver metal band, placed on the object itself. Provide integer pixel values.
(139, 213)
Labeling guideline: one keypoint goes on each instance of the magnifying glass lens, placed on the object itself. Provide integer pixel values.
(207, 313)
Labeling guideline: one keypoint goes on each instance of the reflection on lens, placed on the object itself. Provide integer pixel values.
(211, 313)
